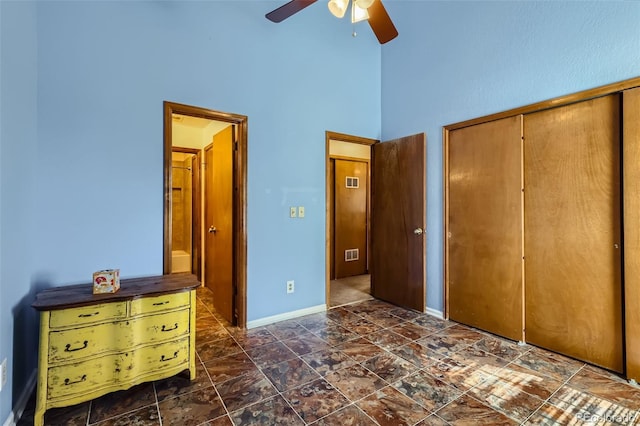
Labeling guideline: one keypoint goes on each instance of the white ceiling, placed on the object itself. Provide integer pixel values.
(199, 123)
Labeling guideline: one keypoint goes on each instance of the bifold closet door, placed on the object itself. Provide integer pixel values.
(631, 178)
(485, 226)
(572, 231)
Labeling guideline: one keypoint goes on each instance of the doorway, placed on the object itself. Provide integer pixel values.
(348, 218)
(205, 157)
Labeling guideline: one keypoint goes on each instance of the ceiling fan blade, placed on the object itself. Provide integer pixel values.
(288, 9)
(381, 23)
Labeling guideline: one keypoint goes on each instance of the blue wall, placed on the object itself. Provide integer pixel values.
(104, 69)
(81, 143)
(89, 79)
(455, 61)
(18, 139)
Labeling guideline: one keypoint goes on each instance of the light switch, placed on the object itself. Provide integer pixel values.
(301, 211)
(292, 212)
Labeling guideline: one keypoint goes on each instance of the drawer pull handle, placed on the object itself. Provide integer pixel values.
(161, 303)
(169, 329)
(68, 347)
(163, 359)
(88, 315)
(68, 382)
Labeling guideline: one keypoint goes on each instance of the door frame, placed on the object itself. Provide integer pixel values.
(240, 123)
(342, 137)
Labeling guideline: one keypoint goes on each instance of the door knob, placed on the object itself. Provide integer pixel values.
(418, 231)
(212, 229)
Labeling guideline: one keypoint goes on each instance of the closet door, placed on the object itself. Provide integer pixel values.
(572, 231)
(485, 226)
(631, 178)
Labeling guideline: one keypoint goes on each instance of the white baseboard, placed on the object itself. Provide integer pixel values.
(435, 313)
(17, 411)
(287, 315)
(10, 420)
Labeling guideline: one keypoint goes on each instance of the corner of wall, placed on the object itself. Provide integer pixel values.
(18, 156)
(21, 404)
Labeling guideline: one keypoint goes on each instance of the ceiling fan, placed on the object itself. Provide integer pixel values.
(371, 10)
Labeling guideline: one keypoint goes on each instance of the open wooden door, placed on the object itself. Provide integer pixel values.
(218, 268)
(397, 221)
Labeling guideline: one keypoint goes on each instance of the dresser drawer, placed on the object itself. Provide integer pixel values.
(82, 377)
(75, 344)
(155, 359)
(158, 328)
(82, 342)
(88, 314)
(164, 302)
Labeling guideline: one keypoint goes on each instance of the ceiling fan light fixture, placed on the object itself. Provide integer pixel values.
(379, 20)
(358, 14)
(338, 7)
(364, 4)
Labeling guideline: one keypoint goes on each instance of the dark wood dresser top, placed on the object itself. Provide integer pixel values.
(82, 294)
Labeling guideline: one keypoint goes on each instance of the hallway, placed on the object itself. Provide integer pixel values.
(350, 290)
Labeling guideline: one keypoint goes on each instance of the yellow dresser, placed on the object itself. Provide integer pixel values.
(91, 345)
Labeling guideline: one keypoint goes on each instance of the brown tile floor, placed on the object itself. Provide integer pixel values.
(369, 363)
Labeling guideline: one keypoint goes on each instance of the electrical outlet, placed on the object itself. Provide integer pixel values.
(290, 286)
(292, 212)
(3, 373)
(301, 211)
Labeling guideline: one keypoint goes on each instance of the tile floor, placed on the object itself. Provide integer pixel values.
(369, 363)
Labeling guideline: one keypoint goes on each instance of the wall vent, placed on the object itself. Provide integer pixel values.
(351, 255)
(352, 182)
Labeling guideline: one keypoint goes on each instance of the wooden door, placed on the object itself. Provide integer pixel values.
(196, 217)
(631, 188)
(397, 221)
(219, 274)
(572, 231)
(484, 244)
(331, 212)
(350, 210)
